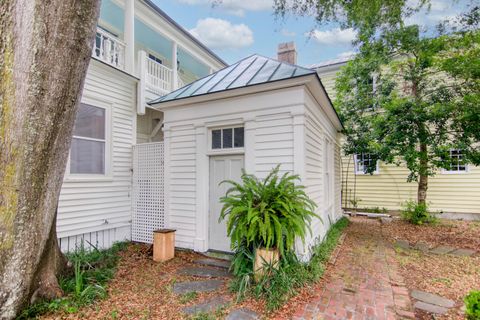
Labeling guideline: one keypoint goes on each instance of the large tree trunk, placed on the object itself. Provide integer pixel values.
(45, 50)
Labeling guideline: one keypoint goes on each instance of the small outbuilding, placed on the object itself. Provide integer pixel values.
(253, 115)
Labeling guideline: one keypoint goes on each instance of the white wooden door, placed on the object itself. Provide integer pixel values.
(221, 168)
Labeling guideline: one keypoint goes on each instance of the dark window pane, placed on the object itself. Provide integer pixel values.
(87, 157)
(90, 122)
(216, 139)
(227, 138)
(152, 57)
(238, 138)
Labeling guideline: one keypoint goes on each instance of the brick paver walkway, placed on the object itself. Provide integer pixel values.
(364, 282)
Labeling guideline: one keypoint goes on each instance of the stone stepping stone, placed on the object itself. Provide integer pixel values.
(430, 298)
(386, 220)
(219, 255)
(242, 314)
(422, 246)
(197, 286)
(463, 252)
(430, 307)
(442, 250)
(402, 244)
(204, 272)
(213, 263)
(208, 306)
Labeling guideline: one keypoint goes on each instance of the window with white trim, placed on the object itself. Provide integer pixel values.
(227, 138)
(457, 162)
(363, 161)
(87, 153)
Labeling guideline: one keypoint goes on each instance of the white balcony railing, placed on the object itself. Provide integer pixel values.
(109, 49)
(158, 77)
(180, 82)
(156, 80)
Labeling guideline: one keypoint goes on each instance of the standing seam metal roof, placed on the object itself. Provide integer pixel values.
(252, 70)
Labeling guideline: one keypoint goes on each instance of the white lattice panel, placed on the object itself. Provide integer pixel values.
(148, 193)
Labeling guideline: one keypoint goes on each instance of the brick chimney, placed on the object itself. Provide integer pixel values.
(287, 52)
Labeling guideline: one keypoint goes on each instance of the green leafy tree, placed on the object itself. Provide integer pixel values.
(410, 99)
(367, 17)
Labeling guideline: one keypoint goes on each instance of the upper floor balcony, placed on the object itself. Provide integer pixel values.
(135, 36)
(156, 79)
(109, 49)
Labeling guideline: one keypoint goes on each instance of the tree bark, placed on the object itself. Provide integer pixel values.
(45, 48)
(423, 175)
(422, 189)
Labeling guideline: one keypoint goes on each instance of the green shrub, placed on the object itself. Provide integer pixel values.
(417, 213)
(472, 305)
(280, 284)
(375, 210)
(267, 213)
(91, 271)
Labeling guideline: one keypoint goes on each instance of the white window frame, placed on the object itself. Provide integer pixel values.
(232, 150)
(361, 172)
(446, 171)
(107, 175)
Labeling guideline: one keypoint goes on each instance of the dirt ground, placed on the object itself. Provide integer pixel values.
(459, 234)
(142, 289)
(446, 275)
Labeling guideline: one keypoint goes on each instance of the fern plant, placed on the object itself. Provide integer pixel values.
(268, 213)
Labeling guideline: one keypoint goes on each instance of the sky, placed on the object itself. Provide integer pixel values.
(234, 29)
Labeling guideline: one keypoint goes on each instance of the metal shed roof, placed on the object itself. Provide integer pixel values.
(250, 71)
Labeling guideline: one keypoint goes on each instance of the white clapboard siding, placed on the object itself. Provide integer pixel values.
(273, 143)
(317, 130)
(181, 185)
(314, 167)
(99, 210)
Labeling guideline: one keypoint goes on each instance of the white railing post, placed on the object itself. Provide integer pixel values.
(174, 67)
(129, 34)
(141, 86)
(109, 49)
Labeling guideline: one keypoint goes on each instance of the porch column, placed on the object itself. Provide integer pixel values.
(249, 144)
(201, 188)
(299, 152)
(141, 85)
(129, 35)
(174, 67)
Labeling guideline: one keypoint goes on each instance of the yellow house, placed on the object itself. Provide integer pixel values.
(454, 192)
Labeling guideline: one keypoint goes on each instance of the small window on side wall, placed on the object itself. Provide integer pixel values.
(363, 161)
(457, 164)
(227, 138)
(87, 153)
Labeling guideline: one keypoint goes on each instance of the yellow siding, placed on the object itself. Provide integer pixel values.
(328, 81)
(389, 188)
(452, 193)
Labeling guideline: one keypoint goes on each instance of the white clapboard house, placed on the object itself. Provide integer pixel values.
(254, 115)
(163, 120)
(139, 54)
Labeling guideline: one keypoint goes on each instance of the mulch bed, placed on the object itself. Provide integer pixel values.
(449, 276)
(142, 289)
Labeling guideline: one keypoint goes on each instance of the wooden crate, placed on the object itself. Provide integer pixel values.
(163, 244)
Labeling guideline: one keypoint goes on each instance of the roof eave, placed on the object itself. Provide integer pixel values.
(235, 92)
